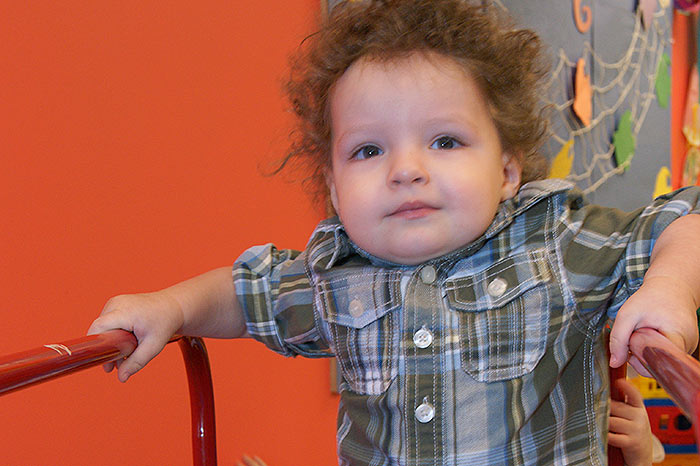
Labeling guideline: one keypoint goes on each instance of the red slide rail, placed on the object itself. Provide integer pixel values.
(21, 370)
(677, 372)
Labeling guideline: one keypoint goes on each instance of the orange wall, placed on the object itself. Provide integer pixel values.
(130, 142)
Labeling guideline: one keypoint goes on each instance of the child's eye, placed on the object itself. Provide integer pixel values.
(445, 142)
(366, 152)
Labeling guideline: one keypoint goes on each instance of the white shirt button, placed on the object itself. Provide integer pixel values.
(497, 287)
(425, 412)
(428, 274)
(423, 338)
(356, 308)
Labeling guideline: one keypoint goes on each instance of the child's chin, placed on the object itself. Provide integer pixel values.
(416, 256)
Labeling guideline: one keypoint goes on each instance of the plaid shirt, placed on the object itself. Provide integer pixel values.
(490, 355)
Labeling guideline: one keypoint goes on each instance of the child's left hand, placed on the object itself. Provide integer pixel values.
(629, 426)
(661, 303)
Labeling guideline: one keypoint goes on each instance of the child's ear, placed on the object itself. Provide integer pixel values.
(331, 190)
(512, 174)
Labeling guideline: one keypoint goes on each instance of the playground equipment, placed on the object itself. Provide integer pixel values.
(677, 372)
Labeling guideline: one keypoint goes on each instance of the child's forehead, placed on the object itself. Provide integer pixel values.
(436, 78)
(419, 64)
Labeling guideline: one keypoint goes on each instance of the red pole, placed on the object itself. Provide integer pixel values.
(38, 365)
(201, 401)
(615, 457)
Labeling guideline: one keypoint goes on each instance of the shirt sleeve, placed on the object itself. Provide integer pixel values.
(607, 252)
(276, 296)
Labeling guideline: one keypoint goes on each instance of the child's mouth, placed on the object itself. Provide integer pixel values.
(412, 210)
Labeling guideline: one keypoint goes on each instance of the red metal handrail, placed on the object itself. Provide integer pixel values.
(677, 372)
(21, 370)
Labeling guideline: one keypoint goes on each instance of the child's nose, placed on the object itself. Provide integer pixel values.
(407, 168)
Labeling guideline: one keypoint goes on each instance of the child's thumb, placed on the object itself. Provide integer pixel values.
(619, 343)
(142, 355)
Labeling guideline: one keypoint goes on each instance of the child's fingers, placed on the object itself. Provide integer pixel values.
(110, 366)
(621, 410)
(633, 395)
(103, 324)
(96, 328)
(111, 321)
(146, 350)
(619, 339)
(618, 440)
(622, 425)
(118, 313)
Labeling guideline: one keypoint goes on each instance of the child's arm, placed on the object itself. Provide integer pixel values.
(204, 306)
(629, 427)
(669, 296)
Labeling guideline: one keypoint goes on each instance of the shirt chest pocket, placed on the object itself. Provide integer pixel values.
(503, 316)
(361, 314)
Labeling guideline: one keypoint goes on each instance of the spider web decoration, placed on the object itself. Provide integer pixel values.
(627, 85)
(621, 70)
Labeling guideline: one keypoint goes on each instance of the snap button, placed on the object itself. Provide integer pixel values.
(425, 412)
(423, 338)
(428, 274)
(356, 308)
(497, 287)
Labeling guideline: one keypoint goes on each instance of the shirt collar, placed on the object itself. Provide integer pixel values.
(329, 243)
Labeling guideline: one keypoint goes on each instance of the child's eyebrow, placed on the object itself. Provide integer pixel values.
(359, 130)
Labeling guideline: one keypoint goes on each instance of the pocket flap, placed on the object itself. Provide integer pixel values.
(358, 299)
(500, 283)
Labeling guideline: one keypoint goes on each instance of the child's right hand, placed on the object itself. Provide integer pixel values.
(629, 426)
(152, 317)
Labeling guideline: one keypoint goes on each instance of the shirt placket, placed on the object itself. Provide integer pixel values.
(422, 336)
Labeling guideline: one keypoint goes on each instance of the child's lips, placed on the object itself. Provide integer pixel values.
(412, 210)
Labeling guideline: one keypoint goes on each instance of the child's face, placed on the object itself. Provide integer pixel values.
(417, 165)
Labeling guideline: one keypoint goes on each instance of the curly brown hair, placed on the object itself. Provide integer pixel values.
(506, 62)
